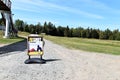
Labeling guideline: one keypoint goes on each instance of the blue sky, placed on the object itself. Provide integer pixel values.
(100, 14)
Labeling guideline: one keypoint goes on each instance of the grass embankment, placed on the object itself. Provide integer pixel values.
(12, 40)
(23, 34)
(92, 45)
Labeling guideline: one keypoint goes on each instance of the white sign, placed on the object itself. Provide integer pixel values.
(35, 45)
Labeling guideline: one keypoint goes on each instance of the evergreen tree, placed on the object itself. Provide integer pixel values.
(54, 31)
(88, 33)
(75, 33)
(26, 28)
(19, 24)
(116, 34)
(38, 28)
(32, 29)
(107, 34)
(44, 30)
(83, 33)
(67, 32)
(50, 28)
(60, 31)
(70, 33)
(101, 35)
(94, 34)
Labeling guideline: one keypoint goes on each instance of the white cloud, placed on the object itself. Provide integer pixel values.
(52, 7)
(101, 5)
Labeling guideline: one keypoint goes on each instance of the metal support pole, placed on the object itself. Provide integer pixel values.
(41, 57)
(7, 26)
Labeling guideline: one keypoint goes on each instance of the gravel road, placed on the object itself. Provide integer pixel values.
(61, 64)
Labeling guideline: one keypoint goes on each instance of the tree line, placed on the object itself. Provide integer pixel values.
(51, 29)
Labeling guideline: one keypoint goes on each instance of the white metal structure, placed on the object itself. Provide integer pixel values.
(5, 10)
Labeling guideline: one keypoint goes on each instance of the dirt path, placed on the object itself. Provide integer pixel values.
(62, 64)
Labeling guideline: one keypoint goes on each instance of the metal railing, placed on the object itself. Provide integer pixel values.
(7, 2)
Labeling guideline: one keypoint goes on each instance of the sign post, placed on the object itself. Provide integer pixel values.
(35, 45)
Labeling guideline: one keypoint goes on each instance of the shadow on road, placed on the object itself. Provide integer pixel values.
(18, 46)
(51, 60)
(39, 61)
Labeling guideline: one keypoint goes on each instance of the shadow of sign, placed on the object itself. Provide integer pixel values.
(52, 60)
(37, 61)
(18, 46)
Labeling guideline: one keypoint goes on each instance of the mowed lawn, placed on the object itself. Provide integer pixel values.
(92, 45)
(11, 40)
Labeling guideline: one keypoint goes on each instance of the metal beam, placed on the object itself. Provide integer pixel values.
(4, 7)
(3, 11)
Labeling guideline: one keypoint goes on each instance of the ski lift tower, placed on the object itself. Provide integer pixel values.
(5, 10)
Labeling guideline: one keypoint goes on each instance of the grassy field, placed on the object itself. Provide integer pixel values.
(11, 40)
(92, 45)
(24, 34)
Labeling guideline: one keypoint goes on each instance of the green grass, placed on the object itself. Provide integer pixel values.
(25, 34)
(92, 45)
(10, 40)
